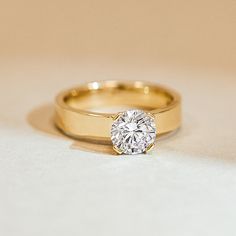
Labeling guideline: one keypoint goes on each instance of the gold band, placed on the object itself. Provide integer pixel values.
(74, 115)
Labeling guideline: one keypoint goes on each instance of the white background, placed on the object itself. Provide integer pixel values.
(51, 185)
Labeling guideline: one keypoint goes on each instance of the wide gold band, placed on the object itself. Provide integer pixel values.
(74, 113)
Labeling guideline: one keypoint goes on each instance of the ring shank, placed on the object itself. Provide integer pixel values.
(74, 113)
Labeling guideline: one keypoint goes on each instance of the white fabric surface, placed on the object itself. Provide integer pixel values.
(51, 185)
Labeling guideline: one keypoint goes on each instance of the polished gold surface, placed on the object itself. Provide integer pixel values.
(75, 115)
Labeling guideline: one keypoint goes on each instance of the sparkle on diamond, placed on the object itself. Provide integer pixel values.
(133, 131)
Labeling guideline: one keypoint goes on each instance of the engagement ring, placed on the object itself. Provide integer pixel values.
(153, 110)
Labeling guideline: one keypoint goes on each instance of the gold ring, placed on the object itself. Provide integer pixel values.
(155, 110)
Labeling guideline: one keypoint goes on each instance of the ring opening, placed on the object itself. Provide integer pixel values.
(117, 96)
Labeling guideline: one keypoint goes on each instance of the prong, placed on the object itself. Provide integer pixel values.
(150, 147)
(116, 116)
(117, 150)
(151, 115)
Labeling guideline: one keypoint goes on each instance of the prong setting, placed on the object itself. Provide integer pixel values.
(116, 116)
(150, 147)
(133, 132)
(117, 150)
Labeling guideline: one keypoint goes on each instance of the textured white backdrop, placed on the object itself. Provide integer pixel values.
(50, 185)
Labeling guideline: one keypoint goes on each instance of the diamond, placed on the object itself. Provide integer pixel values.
(133, 132)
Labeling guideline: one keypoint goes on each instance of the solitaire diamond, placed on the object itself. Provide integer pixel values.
(133, 132)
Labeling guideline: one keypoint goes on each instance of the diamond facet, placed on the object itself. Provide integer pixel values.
(133, 132)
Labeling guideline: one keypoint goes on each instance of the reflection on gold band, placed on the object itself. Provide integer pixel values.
(75, 114)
